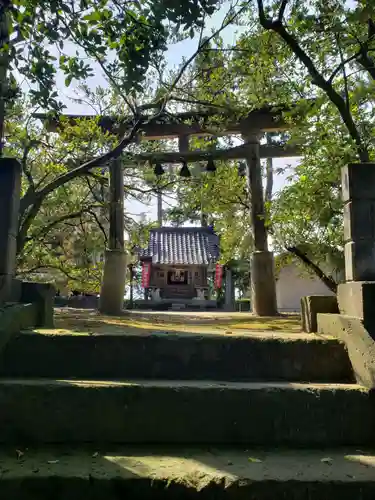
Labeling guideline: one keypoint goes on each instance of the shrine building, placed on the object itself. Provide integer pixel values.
(177, 262)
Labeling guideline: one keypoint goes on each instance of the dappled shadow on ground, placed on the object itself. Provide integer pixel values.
(90, 322)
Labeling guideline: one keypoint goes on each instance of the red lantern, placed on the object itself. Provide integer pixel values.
(146, 272)
(218, 276)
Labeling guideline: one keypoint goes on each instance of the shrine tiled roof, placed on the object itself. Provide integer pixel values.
(182, 246)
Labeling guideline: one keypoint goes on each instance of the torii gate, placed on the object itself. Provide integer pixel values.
(189, 124)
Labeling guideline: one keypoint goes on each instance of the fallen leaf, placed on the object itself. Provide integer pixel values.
(327, 460)
(94, 455)
(254, 460)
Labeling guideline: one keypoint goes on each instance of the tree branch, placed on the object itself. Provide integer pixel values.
(340, 66)
(74, 215)
(81, 170)
(201, 45)
(346, 87)
(100, 225)
(25, 170)
(317, 78)
(47, 266)
(282, 10)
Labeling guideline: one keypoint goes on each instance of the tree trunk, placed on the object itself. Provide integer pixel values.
(114, 273)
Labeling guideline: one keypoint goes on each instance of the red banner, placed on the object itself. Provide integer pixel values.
(218, 276)
(146, 271)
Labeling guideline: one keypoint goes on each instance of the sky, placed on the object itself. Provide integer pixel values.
(174, 57)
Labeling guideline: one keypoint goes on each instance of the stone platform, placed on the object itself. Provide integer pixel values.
(174, 304)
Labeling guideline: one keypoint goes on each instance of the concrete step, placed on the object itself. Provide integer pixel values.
(190, 412)
(254, 357)
(185, 474)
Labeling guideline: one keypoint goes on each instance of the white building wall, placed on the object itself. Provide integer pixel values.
(292, 285)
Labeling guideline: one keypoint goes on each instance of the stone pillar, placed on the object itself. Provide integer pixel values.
(229, 290)
(10, 189)
(263, 284)
(114, 273)
(357, 296)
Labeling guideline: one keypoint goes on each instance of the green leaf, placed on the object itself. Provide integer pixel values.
(68, 80)
(93, 16)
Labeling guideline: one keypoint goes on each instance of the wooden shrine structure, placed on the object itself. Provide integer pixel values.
(177, 262)
(210, 123)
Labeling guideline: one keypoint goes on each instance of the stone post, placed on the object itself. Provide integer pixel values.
(229, 290)
(10, 189)
(263, 285)
(114, 273)
(357, 296)
(160, 207)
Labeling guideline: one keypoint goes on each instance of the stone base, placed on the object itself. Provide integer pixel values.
(357, 299)
(314, 304)
(14, 318)
(6, 288)
(166, 304)
(43, 295)
(263, 286)
(40, 295)
(359, 341)
(113, 284)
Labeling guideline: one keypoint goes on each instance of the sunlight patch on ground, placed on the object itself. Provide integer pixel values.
(79, 321)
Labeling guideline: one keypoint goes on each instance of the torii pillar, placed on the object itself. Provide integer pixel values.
(263, 284)
(114, 273)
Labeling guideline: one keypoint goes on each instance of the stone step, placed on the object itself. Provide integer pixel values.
(185, 412)
(253, 357)
(186, 474)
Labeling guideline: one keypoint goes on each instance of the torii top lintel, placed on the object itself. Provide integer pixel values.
(190, 123)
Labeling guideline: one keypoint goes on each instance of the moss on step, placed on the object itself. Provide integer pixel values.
(260, 356)
(86, 321)
(185, 412)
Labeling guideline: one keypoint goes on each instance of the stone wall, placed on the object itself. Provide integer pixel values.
(293, 284)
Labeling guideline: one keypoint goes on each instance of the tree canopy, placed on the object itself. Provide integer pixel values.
(122, 38)
(317, 56)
